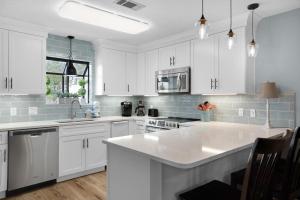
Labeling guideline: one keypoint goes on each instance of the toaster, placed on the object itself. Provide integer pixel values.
(153, 112)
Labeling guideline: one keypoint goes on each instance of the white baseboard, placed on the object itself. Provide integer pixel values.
(84, 173)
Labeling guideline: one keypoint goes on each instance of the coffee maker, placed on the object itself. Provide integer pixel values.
(140, 109)
(126, 108)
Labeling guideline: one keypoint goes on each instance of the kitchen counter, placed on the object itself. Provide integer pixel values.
(56, 123)
(195, 145)
(163, 164)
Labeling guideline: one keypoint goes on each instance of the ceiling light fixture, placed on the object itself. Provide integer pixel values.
(230, 33)
(202, 25)
(70, 70)
(98, 17)
(252, 46)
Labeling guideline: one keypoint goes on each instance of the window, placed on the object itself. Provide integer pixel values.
(58, 83)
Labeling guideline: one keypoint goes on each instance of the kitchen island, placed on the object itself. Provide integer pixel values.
(160, 165)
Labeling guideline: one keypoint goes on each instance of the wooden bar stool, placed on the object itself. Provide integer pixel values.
(237, 177)
(262, 161)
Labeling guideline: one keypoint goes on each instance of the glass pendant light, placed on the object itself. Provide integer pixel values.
(252, 46)
(70, 70)
(230, 34)
(202, 25)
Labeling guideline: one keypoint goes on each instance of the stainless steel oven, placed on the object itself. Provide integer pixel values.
(173, 80)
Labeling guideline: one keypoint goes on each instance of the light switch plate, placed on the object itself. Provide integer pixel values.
(32, 110)
(13, 111)
(252, 113)
(241, 112)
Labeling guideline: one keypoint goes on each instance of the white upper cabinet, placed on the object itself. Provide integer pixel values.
(203, 65)
(22, 63)
(131, 72)
(151, 66)
(3, 61)
(175, 56)
(114, 72)
(232, 64)
(27, 55)
(216, 69)
(141, 74)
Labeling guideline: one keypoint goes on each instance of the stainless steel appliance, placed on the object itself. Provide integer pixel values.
(153, 112)
(140, 109)
(33, 157)
(153, 125)
(126, 108)
(173, 80)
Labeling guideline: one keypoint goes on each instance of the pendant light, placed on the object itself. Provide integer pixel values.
(202, 23)
(230, 33)
(70, 70)
(252, 46)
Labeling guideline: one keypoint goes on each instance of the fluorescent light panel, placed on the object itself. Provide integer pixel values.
(87, 14)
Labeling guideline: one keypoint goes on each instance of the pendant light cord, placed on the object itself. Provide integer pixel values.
(202, 7)
(230, 14)
(70, 53)
(252, 25)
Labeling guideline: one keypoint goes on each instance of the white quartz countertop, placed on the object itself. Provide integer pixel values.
(55, 123)
(189, 147)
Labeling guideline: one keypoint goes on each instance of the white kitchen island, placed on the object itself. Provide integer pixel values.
(160, 165)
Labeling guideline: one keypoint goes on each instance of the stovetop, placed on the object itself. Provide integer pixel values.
(180, 119)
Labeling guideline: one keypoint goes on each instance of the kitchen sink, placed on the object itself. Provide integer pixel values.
(75, 120)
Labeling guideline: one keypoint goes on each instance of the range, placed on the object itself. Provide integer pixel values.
(153, 125)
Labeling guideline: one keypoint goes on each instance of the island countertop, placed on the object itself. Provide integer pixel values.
(196, 145)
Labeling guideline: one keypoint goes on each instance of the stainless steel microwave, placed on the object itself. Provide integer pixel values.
(175, 80)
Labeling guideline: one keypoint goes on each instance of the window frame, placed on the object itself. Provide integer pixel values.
(85, 74)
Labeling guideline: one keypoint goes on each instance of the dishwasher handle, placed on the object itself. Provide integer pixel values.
(119, 122)
(32, 132)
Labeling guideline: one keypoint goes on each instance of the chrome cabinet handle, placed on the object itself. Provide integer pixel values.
(170, 61)
(11, 83)
(6, 82)
(83, 143)
(4, 155)
(87, 143)
(104, 87)
(173, 60)
(216, 83)
(128, 88)
(211, 84)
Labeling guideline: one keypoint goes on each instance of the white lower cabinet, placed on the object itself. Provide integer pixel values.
(81, 148)
(3, 161)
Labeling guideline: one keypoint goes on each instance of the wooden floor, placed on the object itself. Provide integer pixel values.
(91, 187)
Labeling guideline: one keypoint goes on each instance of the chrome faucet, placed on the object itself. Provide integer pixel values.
(73, 115)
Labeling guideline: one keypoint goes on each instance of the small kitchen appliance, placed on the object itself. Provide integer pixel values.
(153, 112)
(140, 109)
(126, 108)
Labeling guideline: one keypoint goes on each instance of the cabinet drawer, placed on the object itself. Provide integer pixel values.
(140, 123)
(3, 137)
(84, 129)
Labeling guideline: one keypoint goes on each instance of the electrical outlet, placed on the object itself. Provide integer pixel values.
(13, 111)
(252, 113)
(241, 112)
(32, 110)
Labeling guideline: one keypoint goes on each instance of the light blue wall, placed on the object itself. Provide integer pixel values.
(279, 53)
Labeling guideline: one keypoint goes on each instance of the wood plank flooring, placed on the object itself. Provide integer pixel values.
(91, 187)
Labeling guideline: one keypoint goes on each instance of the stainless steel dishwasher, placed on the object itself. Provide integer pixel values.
(32, 157)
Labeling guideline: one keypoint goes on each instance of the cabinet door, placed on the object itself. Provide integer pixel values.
(203, 66)
(182, 55)
(3, 61)
(3, 167)
(140, 75)
(166, 57)
(71, 155)
(96, 150)
(27, 56)
(232, 64)
(114, 72)
(131, 72)
(151, 68)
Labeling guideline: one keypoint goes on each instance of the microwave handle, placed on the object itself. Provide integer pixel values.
(179, 81)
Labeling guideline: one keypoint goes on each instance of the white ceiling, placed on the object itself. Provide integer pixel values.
(166, 17)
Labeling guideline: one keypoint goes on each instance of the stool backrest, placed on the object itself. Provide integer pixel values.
(262, 161)
(291, 182)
